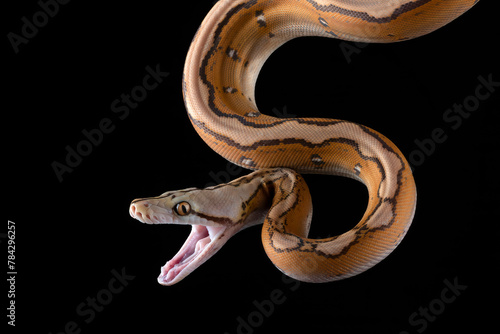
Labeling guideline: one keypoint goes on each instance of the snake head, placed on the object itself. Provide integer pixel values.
(215, 215)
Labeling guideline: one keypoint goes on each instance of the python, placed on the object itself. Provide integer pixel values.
(220, 73)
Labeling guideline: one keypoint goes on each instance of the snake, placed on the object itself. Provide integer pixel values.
(218, 85)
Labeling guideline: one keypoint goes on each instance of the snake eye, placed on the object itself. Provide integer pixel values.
(182, 208)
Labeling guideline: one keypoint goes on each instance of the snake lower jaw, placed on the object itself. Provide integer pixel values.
(202, 244)
(206, 237)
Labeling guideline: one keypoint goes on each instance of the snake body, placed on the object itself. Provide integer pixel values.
(225, 57)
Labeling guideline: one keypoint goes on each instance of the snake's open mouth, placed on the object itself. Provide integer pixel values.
(199, 247)
(205, 239)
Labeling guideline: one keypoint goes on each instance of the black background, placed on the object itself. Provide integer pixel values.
(71, 235)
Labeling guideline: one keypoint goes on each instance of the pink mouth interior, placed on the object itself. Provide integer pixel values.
(192, 254)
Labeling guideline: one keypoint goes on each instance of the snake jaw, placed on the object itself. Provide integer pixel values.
(205, 239)
(202, 243)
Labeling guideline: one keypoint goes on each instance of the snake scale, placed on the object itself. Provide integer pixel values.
(221, 69)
